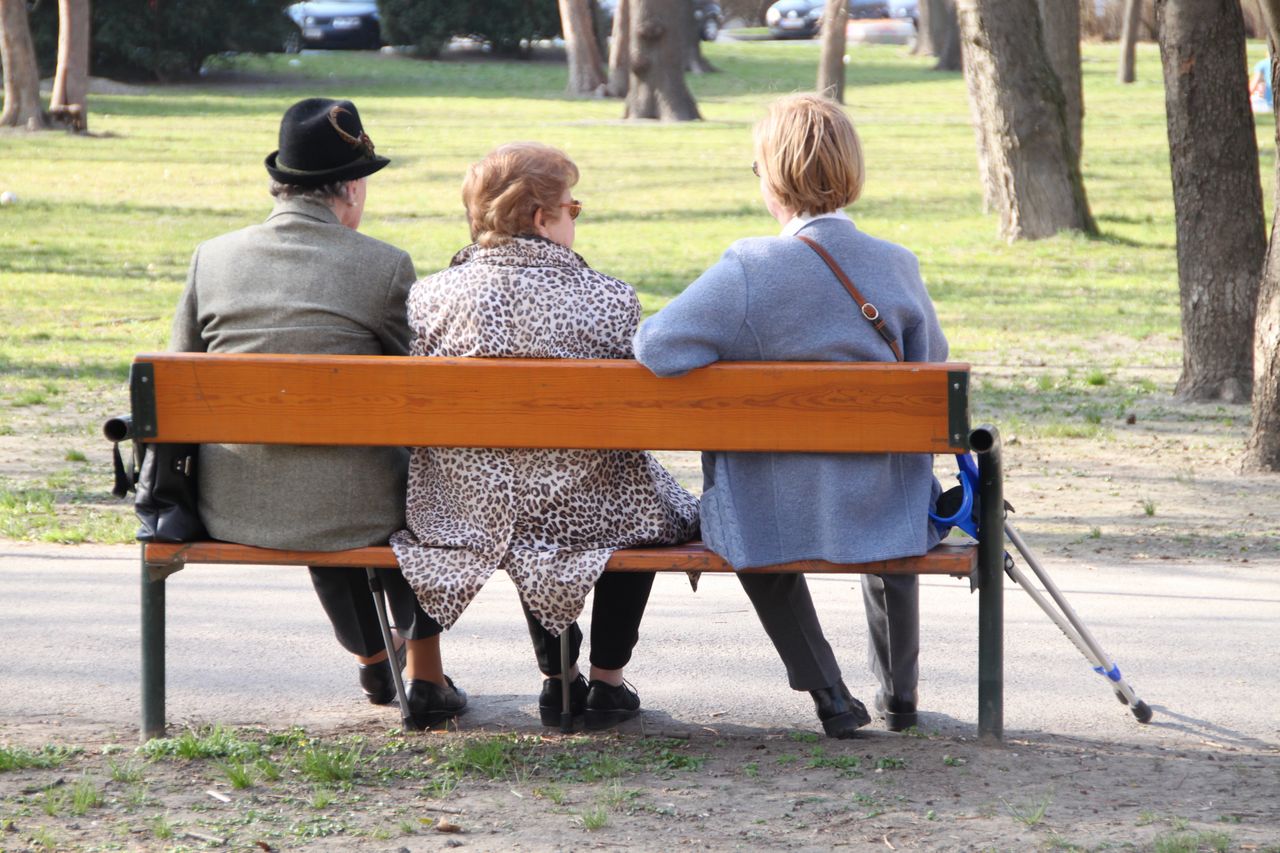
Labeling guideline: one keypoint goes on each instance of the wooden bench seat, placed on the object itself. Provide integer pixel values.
(591, 404)
(957, 560)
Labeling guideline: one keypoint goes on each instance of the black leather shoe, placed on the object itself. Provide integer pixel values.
(376, 681)
(840, 713)
(431, 706)
(899, 714)
(551, 700)
(606, 705)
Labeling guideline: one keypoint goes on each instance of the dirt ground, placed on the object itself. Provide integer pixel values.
(1152, 481)
(780, 791)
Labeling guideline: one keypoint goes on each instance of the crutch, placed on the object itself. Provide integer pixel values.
(380, 604)
(958, 507)
(1067, 620)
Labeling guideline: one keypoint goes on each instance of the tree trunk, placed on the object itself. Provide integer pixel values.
(657, 88)
(924, 16)
(620, 51)
(1062, 43)
(1031, 169)
(694, 61)
(835, 17)
(1262, 452)
(1129, 39)
(69, 102)
(1217, 197)
(946, 36)
(21, 74)
(586, 68)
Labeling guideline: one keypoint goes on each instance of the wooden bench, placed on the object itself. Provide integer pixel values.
(531, 403)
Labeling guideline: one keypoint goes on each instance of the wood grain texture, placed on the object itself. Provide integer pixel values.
(691, 557)
(359, 400)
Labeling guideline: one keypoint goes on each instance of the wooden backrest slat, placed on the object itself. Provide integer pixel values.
(358, 400)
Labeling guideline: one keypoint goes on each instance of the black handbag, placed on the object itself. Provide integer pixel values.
(163, 480)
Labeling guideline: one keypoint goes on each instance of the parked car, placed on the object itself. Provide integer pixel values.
(707, 13)
(794, 18)
(334, 24)
(803, 18)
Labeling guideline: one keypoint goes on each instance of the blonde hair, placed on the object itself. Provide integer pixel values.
(810, 154)
(504, 190)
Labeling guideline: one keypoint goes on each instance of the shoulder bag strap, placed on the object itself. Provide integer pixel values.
(868, 310)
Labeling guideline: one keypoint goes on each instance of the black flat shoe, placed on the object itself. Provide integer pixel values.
(606, 705)
(375, 678)
(899, 714)
(431, 706)
(840, 713)
(551, 700)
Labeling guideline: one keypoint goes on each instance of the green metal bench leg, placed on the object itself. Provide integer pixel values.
(152, 653)
(985, 440)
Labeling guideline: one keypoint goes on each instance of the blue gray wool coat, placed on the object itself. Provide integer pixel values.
(773, 299)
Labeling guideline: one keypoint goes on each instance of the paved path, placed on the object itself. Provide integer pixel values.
(249, 645)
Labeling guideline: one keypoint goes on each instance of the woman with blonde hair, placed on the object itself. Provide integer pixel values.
(550, 518)
(783, 299)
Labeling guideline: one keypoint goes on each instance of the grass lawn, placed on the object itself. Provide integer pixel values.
(93, 256)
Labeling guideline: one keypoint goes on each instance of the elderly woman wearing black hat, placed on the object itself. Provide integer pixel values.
(305, 281)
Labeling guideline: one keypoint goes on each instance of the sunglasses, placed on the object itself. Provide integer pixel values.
(575, 207)
(755, 168)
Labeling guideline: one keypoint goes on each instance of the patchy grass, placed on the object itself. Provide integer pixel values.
(22, 758)
(94, 256)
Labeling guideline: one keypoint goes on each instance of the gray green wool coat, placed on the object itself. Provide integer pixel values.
(300, 282)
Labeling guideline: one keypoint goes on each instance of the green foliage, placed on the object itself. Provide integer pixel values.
(329, 764)
(216, 742)
(1031, 814)
(1192, 842)
(127, 772)
(165, 39)
(427, 25)
(596, 818)
(84, 796)
(507, 23)
(238, 773)
(844, 764)
(21, 758)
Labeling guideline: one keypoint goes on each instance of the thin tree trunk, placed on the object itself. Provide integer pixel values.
(21, 74)
(1129, 40)
(946, 36)
(1031, 168)
(69, 102)
(694, 61)
(1262, 452)
(1062, 43)
(835, 17)
(1217, 196)
(657, 88)
(620, 51)
(586, 68)
(924, 16)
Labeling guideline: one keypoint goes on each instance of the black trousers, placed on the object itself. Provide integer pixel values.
(620, 599)
(344, 595)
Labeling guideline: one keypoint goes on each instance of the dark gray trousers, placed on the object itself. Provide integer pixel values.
(892, 603)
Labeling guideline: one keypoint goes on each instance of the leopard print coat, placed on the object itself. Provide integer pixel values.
(550, 518)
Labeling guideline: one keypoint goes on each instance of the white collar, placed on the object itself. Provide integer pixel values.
(800, 220)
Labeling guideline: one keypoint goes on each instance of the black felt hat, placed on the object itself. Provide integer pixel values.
(322, 142)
